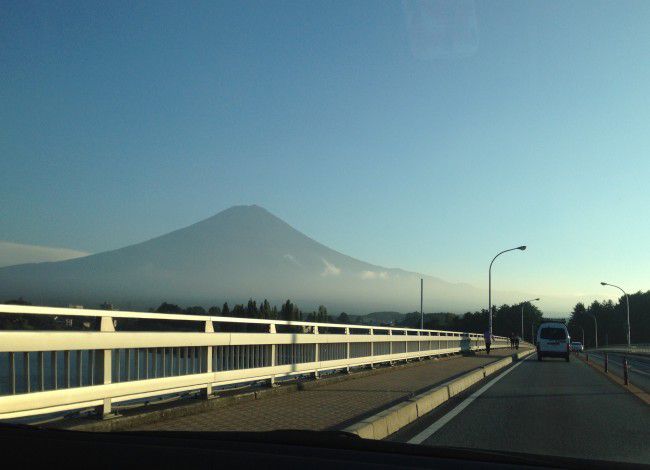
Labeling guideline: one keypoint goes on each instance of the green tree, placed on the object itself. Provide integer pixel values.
(290, 312)
(169, 308)
(239, 311)
(265, 310)
(251, 309)
(321, 315)
(195, 310)
(612, 320)
(343, 318)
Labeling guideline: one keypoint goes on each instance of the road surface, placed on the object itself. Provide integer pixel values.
(550, 407)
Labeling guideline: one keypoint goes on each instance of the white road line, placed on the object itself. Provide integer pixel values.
(435, 427)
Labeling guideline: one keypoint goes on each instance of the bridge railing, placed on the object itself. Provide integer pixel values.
(116, 356)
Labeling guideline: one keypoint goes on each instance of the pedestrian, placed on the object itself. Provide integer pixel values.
(512, 341)
(488, 341)
(516, 341)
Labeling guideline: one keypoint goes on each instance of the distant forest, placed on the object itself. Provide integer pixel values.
(506, 319)
(611, 320)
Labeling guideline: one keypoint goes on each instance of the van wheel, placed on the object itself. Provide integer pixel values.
(567, 358)
(539, 357)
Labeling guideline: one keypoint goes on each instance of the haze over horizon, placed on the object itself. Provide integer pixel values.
(369, 127)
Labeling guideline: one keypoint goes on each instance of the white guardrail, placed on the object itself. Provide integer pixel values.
(127, 357)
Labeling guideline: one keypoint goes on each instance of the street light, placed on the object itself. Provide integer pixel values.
(627, 301)
(522, 314)
(522, 248)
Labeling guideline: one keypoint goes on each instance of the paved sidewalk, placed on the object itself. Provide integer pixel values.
(331, 406)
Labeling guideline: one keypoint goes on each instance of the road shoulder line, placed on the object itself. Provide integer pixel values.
(387, 422)
(436, 426)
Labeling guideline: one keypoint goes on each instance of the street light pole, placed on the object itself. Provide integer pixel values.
(523, 247)
(627, 302)
(522, 314)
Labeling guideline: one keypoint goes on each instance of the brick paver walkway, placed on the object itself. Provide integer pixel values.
(331, 406)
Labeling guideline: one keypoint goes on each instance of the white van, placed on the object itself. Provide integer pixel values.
(553, 340)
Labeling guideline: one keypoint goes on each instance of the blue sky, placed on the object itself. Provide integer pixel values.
(420, 135)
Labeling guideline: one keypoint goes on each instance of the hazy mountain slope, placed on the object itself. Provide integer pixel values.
(18, 253)
(239, 253)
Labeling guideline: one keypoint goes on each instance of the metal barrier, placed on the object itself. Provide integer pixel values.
(50, 370)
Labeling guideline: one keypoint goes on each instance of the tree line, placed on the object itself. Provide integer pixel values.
(506, 320)
(611, 321)
(287, 311)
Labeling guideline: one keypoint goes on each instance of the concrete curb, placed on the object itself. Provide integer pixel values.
(387, 422)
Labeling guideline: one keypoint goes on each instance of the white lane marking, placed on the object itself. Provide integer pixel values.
(435, 427)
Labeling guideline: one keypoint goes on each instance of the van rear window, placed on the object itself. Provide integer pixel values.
(553, 333)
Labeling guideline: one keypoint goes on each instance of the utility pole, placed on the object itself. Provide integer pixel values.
(421, 297)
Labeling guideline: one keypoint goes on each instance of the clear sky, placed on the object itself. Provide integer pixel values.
(421, 135)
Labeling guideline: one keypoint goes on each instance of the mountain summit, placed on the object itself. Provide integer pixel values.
(241, 252)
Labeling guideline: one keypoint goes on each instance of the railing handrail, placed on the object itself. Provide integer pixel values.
(67, 311)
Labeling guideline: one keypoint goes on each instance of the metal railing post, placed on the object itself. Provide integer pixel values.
(371, 332)
(207, 392)
(105, 410)
(316, 355)
(273, 355)
(626, 366)
(12, 372)
(347, 350)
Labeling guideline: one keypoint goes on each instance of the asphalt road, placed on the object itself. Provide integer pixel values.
(551, 408)
(639, 367)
